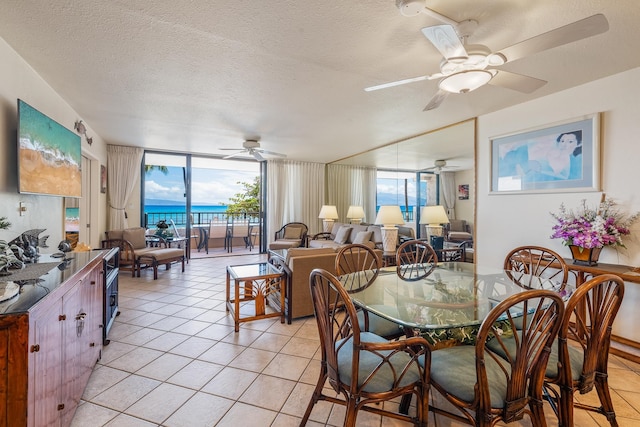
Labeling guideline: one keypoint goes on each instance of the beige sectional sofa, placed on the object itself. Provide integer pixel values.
(342, 234)
(298, 264)
(367, 234)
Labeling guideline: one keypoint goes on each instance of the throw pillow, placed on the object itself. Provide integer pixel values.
(342, 235)
(135, 236)
(292, 232)
(363, 237)
(355, 229)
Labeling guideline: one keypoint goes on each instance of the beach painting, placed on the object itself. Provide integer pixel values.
(49, 155)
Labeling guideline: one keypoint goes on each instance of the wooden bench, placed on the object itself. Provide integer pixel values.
(165, 256)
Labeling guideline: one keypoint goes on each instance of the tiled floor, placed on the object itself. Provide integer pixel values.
(174, 360)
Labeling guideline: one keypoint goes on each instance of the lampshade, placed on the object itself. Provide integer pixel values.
(389, 216)
(433, 215)
(328, 212)
(465, 81)
(355, 212)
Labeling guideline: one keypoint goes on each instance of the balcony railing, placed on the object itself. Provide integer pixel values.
(180, 218)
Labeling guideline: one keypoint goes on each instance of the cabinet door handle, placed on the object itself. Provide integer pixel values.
(81, 316)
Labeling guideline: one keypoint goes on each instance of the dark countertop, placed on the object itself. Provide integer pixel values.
(39, 279)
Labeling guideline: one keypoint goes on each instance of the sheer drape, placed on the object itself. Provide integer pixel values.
(123, 166)
(448, 188)
(352, 185)
(295, 193)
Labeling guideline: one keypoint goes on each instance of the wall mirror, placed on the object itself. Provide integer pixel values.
(448, 149)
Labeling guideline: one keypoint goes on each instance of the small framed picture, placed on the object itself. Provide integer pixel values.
(463, 192)
(103, 179)
(555, 158)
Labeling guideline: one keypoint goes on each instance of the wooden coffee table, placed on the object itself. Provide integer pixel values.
(252, 285)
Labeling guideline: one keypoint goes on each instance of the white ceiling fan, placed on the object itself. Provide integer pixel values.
(251, 147)
(439, 166)
(466, 67)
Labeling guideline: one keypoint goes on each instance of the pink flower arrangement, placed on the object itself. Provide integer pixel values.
(592, 228)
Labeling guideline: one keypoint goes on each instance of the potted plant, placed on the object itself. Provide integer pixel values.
(587, 230)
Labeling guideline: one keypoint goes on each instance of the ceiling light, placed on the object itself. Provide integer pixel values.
(465, 81)
(410, 7)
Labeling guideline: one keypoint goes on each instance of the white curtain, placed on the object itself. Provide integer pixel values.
(352, 185)
(123, 169)
(448, 190)
(295, 193)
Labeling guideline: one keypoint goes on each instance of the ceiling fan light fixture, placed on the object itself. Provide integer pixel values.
(465, 81)
(410, 7)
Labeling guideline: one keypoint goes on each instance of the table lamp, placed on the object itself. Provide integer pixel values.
(355, 214)
(328, 214)
(389, 217)
(434, 217)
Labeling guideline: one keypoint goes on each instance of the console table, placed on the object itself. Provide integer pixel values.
(622, 344)
(51, 336)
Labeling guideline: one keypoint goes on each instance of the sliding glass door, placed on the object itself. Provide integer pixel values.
(192, 193)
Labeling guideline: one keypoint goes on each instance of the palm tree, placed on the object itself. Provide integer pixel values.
(149, 168)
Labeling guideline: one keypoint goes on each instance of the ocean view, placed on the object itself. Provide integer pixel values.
(183, 208)
(202, 214)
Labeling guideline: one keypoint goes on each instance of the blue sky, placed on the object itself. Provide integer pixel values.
(213, 181)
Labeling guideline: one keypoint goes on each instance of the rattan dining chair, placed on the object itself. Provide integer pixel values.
(357, 266)
(525, 264)
(486, 387)
(578, 363)
(415, 260)
(363, 367)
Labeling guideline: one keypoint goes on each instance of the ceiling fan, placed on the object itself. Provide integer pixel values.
(252, 147)
(439, 166)
(466, 67)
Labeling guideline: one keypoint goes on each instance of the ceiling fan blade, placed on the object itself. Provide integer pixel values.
(271, 153)
(400, 82)
(446, 40)
(436, 100)
(234, 154)
(591, 26)
(519, 82)
(229, 149)
(257, 155)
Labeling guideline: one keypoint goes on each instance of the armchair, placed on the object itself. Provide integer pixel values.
(291, 235)
(458, 231)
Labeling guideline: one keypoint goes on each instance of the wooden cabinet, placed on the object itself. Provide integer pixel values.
(48, 350)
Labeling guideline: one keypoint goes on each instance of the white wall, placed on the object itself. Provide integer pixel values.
(19, 80)
(506, 221)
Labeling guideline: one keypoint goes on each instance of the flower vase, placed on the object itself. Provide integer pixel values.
(585, 256)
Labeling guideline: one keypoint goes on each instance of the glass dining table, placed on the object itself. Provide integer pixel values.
(448, 305)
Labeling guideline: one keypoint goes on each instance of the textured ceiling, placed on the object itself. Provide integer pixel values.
(196, 76)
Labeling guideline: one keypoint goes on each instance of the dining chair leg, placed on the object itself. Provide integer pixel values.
(565, 407)
(537, 411)
(317, 392)
(602, 387)
(351, 412)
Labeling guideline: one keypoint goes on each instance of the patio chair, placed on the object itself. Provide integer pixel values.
(579, 360)
(363, 367)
